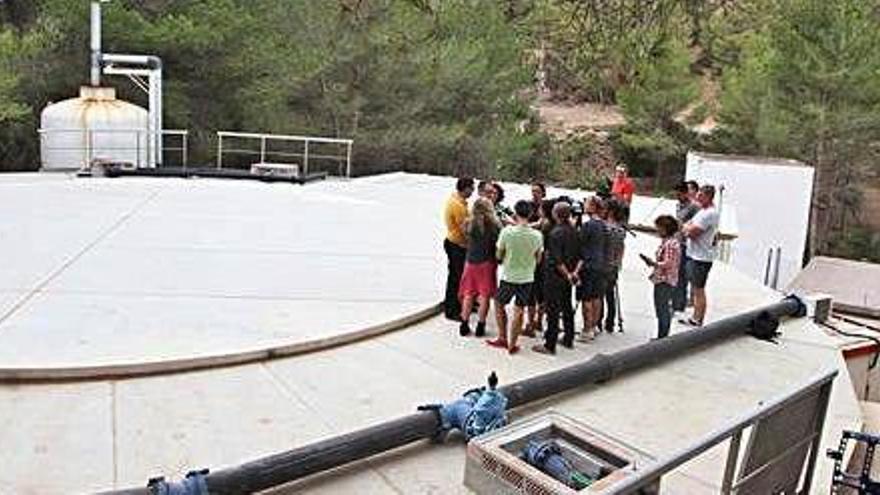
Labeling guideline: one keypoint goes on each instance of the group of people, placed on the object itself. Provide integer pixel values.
(552, 249)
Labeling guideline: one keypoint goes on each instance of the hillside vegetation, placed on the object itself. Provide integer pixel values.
(450, 86)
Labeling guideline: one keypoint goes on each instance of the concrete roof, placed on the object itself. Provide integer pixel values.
(100, 434)
(852, 284)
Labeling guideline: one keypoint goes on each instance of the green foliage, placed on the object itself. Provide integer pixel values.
(858, 244)
(807, 88)
(427, 83)
(661, 88)
(596, 46)
(654, 142)
(11, 108)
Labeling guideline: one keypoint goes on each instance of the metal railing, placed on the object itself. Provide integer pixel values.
(782, 462)
(306, 155)
(129, 145)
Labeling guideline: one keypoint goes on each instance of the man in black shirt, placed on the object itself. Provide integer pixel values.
(560, 275)
(591, 271)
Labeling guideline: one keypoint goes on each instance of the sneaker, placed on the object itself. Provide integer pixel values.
(567, 345)
(586, 336)
(541, 349)
(464, 329)
(497, 343)
(690, 322)
(513, 350)
(481, 329)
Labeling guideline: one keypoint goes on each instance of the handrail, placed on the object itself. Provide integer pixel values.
(305, 155)
(648, 474)
(137, 148)
(284, 137)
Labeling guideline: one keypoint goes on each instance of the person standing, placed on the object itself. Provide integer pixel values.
(519, 247)
(623, 187)
(614, 259)
(455, 244)
(537, 302)
(685, 209)
(693, 189)
(591, 270)
(560, 276)
(478, 280)
(539, 192)
(701, 232)
(665, 273)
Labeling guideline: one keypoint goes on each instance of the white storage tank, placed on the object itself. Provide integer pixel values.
(96, 126)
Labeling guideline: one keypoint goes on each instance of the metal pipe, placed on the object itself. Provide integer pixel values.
(95, 78)
(767, 267)
(776, 267)
(333, 452)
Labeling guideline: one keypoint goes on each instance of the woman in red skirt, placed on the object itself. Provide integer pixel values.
(478, 280)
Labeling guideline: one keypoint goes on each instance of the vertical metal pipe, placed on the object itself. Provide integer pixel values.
(219, 150)
(262, 149)
(96, 44)
(306, 159)
(730, 467)
(776, 267)
(157, 89)
(185, 146)
(348, 163)
(137, 149)
(767, 266)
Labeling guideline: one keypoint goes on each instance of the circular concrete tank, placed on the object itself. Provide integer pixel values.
(93, 127)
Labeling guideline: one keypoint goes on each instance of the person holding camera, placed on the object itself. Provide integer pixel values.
(665, 271)
(519, 247)
(591, 270)
(563, 255)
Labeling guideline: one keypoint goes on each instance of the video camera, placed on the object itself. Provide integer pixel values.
(577, 207)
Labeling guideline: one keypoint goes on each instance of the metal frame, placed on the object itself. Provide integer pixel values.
(133, 66)
(818, 386)
(89, 135)
(264, 152)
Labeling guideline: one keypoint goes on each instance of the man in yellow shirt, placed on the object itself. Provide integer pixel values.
(455, 214)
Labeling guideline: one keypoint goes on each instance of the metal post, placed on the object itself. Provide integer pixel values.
(767, 267)
(185, 147)
(776, 267)
(262, 149)
(348, 162)
(219, 150)
(824, 398)
(96, 44)
(730, 467)
(90, 148)
(306, 159)
(137, 149)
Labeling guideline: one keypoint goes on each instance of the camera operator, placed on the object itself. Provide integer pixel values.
(560, 275)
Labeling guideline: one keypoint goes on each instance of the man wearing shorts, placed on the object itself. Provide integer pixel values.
(519, 249)
(701, 234)
(591, 271)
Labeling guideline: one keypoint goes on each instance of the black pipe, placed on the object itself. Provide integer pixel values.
(333, 452)
(115, 170)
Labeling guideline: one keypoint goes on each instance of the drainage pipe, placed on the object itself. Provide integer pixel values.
(298, 463)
